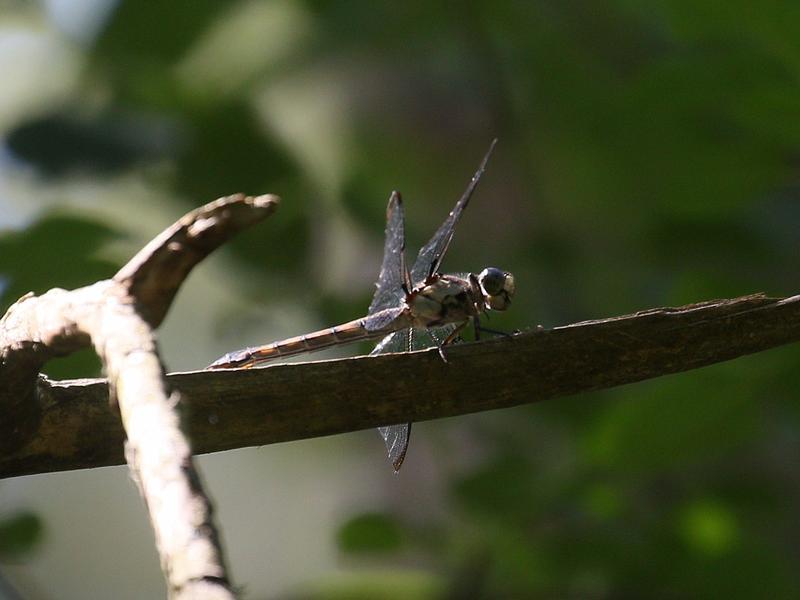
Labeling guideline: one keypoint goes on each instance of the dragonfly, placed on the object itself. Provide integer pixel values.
(411, 308)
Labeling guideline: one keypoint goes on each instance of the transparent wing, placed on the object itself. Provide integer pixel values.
(430, 256)
(384, 318)
(389, 292)
(394, 342)
(396, 437)
(433, 337)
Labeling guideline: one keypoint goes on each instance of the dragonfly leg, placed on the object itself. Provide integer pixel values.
(441, 353)
(496, 332)
(476, 326)
(450, 339)
(479, 328)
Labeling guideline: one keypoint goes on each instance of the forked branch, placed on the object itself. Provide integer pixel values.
(117, 318)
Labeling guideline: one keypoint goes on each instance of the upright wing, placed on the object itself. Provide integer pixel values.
(431, 254)
(389, 292)
(389, 295)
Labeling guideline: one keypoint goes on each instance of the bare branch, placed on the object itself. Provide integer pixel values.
(116, 317)
(154, 275)
(34, 330)
(234, 409)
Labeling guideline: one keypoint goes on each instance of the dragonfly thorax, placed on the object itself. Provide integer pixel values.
(453, 299)
(445, 299)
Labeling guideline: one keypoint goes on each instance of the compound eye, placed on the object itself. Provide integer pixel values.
(492, 280)
(497, 286)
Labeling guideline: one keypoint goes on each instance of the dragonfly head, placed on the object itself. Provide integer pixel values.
(497, 287)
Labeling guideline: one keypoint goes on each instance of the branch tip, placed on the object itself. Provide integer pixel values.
(155, 274)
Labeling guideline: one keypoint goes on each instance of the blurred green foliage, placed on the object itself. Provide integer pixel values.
(370, 533)
(648, 156)
(58, 250)
(19, 535)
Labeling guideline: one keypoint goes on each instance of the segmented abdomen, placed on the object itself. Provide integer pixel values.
(346, 333)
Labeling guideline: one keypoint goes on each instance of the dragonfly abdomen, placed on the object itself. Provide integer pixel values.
(324, 338)
(346, 333)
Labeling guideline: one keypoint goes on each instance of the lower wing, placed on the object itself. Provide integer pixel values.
(396, 437)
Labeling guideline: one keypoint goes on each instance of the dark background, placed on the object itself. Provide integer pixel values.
(648, 156)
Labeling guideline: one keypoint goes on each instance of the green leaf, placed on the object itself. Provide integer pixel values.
(370, 533)
(709, 528)
(503, 488)
(19, 534)
(375, 585)
(669, 424)
(59, 250)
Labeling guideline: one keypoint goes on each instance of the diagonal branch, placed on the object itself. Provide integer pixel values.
(234, 409)
(156, 273)
(116, 317)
